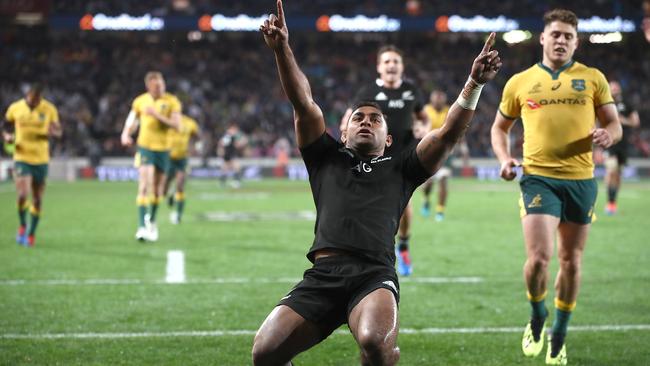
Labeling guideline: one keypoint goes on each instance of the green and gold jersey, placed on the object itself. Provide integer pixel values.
(153, 133)
(558, 110)
(179, 140)
(32, 130)
(437, 118)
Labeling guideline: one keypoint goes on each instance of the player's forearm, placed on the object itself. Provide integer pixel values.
(294, 82)
(129, 124)
(460, 114)
(171, 121)
(500, 143)
(56, 131)
(615, 131)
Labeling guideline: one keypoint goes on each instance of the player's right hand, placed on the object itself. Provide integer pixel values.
(508, 169)
(274, 29)
(126, 140)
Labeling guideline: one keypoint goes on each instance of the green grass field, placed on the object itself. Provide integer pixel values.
(89, 294)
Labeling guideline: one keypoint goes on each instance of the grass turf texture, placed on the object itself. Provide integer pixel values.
(87, 233)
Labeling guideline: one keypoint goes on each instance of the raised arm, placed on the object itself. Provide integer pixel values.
(437, 144)
(308, 117)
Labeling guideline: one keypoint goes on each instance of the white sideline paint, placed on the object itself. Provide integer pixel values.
(211, 281)
(248, 332)
(175, 267)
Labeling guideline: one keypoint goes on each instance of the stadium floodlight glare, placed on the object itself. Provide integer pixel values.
(606, 38)
(598, 24)
(362, 23)
(516, 36)
(121, 22)
(242, 23)
(479, 23)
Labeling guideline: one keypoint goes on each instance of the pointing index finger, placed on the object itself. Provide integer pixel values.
(280, 12)
(488, 43)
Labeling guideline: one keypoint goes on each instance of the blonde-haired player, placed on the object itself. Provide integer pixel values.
(156, 111)
(34, 120)
(179, 142)
(558, 101)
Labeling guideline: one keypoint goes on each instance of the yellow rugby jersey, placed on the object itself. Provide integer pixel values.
(32, 125)
(437, 118)
(153, 133)
(179, 140)
(558, 110)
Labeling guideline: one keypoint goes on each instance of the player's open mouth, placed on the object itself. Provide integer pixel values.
(560, 50)
(365, 131)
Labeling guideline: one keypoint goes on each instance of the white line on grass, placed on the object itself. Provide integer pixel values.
(175, 267)
(248, 332)
(208, 281)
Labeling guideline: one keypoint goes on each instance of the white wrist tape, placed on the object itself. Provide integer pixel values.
(471, 100)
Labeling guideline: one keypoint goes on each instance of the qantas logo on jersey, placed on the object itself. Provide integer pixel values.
(532, 104)
(566, 101)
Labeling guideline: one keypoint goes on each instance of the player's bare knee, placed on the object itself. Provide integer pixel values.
(570, 266)
(538, 263)
(263, 353)
(376, 347)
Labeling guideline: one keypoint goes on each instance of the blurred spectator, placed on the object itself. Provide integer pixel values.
(225, 77)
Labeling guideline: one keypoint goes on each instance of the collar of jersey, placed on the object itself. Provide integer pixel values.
(555, 74)
(380, 83)
(35, 108)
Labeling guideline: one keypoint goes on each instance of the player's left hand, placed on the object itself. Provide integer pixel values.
(8, 137)
(487, 63)
(601, 137)
(274, 29)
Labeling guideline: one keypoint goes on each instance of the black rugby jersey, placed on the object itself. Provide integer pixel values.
(359, 202)
(398, 105)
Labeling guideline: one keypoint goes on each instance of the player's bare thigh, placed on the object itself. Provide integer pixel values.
(284, 334)
(374, 324)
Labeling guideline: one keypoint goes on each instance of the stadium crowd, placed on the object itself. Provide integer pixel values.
(226, 77)
(525, 8)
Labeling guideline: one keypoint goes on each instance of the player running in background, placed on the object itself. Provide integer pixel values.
(156, 111)
(179, 141)
(230, 147)
(31, 121)
(401, 101)
(436, 111)
(617, 158)
(360, 194)
(558, 100)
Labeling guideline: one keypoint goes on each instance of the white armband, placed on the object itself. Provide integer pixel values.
(131, 122)
(468, 98)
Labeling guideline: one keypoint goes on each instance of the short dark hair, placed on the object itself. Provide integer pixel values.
(562, 15)
(36, 88)
(389, 48)
(369, 103)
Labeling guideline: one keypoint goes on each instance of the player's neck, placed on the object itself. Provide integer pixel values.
(392, 85)
(555, 66)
